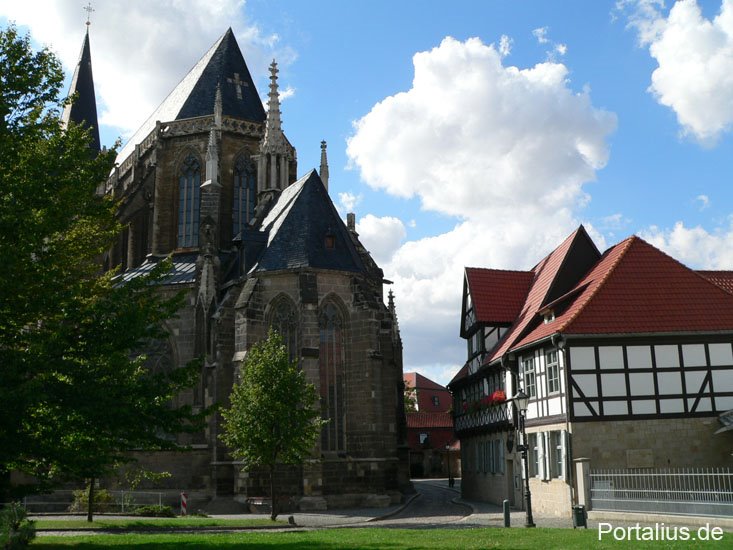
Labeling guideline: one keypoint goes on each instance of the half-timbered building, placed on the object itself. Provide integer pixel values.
(626, 355)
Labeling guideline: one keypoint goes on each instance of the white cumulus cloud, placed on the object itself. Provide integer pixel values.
(348, 201)
(381, 236)
(694, 58)
(130, 41)
(695, 247)
(504, 150)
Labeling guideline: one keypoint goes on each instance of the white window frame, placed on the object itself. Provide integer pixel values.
(529, 370)
(552, 369)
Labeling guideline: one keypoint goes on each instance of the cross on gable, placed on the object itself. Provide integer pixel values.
(238, 84)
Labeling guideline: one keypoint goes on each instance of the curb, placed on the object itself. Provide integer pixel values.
(397, 511)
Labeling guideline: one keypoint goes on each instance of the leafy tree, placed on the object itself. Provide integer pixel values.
(273, 416)
(74, 399)
(410, 398)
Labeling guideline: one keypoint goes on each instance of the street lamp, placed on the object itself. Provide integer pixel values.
(522, 401)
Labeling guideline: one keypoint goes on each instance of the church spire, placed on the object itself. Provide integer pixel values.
(275, 151)
(324, 165)
(83, 110)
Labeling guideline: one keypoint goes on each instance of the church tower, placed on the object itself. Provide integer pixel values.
(83, 110)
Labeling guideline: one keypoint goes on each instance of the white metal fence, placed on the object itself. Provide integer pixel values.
(688, 491)
(118, 502)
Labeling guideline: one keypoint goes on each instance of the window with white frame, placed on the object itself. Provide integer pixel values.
(528, 375)
(557, 455)
(552, 365)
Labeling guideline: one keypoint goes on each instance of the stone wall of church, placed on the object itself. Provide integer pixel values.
(371, 461)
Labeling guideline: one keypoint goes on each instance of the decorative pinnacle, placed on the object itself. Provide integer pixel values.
(217, 108)
(273, 104)
(89, 9)
(324, 165)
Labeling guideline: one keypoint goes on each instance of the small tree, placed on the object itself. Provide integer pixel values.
(410, 398)
(272, 418)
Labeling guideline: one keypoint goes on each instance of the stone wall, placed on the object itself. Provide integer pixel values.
(653, 443)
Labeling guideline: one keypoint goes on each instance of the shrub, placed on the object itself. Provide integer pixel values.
(103, 501)
(154, 511)
(16, 531)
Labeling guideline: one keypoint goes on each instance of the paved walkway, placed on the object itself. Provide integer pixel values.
(477, 514)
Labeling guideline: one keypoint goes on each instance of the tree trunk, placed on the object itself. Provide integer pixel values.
(273, 496)
(90, 501)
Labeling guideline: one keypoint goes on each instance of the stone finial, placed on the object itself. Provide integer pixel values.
(217, 108)
(324, 165)
(393, 312)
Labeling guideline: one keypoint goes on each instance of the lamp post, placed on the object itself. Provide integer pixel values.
(522, 401)
(451, 481)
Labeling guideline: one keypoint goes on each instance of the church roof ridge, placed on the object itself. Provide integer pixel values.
(223, 65)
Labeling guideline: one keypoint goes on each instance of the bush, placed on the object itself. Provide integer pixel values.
(103, 501)
(16, 531)
(154, 511)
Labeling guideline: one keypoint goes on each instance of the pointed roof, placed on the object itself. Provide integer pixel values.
(576, 250)
(83, 110)
(195, 95)
(637, 289)
(419, 382)
(304, 230)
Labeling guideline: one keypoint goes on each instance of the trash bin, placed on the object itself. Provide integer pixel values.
(580, 519)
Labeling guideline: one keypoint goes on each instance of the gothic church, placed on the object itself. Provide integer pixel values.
(210, 179)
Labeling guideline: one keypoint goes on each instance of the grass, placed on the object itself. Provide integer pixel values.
(152, 524)
(368, 539)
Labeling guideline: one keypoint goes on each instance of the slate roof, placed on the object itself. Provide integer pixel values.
(194, 95)
(497, 295)
(83, 110)
(184, 270)
(429, 419)
(297, 226)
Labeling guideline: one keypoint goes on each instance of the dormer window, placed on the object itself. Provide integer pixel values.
(549, 316)
(329, 241)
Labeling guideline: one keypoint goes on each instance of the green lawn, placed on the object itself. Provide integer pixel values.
(369, 539)
(139, 524)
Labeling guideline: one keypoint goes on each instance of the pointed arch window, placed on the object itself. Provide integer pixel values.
(245, 194)
(189, 191)
(332, 383)
(285, 322)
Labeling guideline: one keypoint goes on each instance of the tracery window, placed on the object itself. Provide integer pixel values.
(189, 191)
(245, 194)
(285, 322)
(332, 383)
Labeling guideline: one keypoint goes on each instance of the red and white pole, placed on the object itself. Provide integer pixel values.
(184, 504)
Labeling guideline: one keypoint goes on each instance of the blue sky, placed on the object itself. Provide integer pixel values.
(461, 133)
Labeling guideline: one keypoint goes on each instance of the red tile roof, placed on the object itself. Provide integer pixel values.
(497, 295)
(544, 276)
(724, 279)
(429, 420)
(636, 288)
(419, 382)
